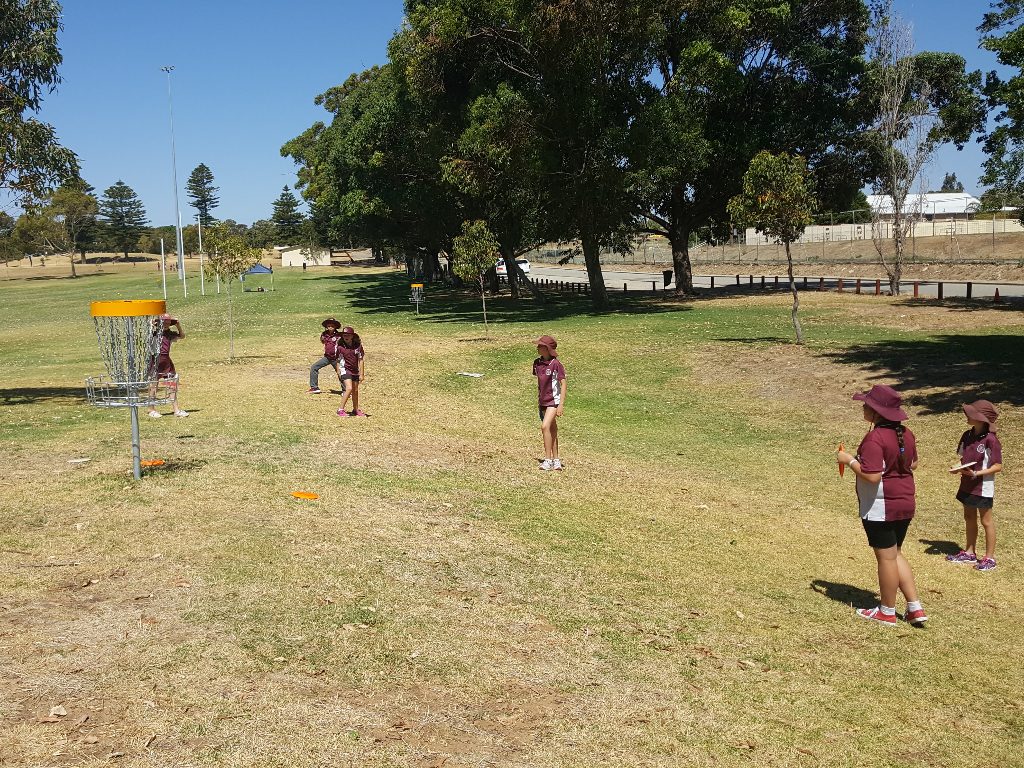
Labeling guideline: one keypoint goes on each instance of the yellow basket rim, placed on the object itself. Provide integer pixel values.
(128, 308)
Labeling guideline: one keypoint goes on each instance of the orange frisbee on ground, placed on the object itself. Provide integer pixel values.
(305, 495)
(152, 463)
(842, 467)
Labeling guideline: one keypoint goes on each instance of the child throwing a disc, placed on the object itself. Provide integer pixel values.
(330, 338)
(978, 447)
(163, 366)
(884, 466)
(551, 391)
(351, 370)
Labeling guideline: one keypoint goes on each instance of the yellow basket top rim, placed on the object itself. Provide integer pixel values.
(128, 308)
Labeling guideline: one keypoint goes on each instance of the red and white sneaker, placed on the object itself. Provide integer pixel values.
(917, 618)
(875, 614)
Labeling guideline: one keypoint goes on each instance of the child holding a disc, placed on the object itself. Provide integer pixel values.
(351, 370)
(884, 466)
(551, 391)
(330, 338)
(163, 367)
(981, 459)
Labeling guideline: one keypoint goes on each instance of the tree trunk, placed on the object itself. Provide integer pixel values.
(517, 278)
(896, 269)
(796, 297)
(84, 259)
(231, 329)
(491, 276)
(483, 298)
(679, 238)
(512, 271)
(592, 257)
(71, 258)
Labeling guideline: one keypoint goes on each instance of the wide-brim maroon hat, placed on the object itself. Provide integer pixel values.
(982, 410)
(550, 343)
(331, 321)
(885, 401)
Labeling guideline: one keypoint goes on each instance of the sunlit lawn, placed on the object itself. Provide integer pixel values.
(680, 595)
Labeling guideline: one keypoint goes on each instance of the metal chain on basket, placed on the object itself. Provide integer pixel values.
(129, 347)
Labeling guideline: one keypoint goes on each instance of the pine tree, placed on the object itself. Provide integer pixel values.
(287, 218)
(950, 183)
(125, 216)
(202, 194)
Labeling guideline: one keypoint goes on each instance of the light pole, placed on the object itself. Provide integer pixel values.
(202, 276)
(174, 171)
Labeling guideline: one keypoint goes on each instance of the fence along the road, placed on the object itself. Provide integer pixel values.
(950, 247)
(856, 285)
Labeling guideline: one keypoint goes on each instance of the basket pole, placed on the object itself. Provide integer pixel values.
(136, 447)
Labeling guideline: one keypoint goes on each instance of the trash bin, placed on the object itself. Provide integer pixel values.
(303, 266)
(667, 274)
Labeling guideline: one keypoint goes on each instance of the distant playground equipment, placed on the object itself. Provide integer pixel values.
(128, 333)
(259, 269)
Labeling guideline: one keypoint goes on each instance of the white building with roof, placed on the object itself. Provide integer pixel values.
(931, 206)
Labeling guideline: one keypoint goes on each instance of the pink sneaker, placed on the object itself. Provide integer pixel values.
(359, 413)
(917, 618)
(343, 413)
(875, 614)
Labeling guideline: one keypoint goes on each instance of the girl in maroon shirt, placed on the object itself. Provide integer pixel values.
(550, 398)
(884, 466)
(351, 370)
(163, 367)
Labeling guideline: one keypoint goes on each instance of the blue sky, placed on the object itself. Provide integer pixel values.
(245, 78)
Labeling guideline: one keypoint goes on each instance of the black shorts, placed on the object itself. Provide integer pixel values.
(970, 500)
(883, 534)
(351, 376)
(542, 409)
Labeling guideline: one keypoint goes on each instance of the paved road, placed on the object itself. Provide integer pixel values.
(646, 281)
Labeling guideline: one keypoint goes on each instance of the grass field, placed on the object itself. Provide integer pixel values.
(679, 596)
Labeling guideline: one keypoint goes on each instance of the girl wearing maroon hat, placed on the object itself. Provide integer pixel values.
(330, 338)
(884, 466)
(162, 367)
(980, 448)
(351, 370)
(551, 398)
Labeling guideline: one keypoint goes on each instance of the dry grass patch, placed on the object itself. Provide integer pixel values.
(679, 596)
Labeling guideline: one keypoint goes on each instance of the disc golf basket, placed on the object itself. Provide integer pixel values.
(129, 334)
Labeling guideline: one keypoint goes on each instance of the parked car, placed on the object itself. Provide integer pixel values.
(502, 270)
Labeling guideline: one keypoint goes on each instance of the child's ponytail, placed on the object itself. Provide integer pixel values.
(901, 461)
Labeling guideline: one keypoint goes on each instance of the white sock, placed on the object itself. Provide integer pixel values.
(887, 611)
(913, 605)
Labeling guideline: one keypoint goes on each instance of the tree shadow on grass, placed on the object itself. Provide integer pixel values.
(1007, 304)
(939, 547)
(846, 594)
(389, 293)
(29, 395)
(938, 373)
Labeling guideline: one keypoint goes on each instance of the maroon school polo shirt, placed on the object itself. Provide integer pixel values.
(892, 498)
(331, 341)
(348, 359)
(985, 451)
(166, 337)
(550, 375)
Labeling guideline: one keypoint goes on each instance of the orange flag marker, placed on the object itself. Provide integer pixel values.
(842, 467)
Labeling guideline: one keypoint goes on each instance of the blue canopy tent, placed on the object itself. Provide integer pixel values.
(259, 269)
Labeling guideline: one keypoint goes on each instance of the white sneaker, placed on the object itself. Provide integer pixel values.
(556, 464)
(155, 414)
(181, 413)
(547, 465)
